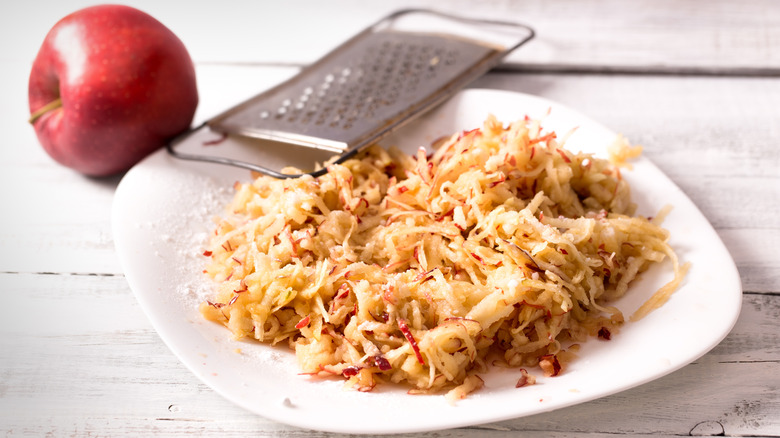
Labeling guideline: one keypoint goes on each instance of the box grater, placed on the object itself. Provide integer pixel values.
(381, 78)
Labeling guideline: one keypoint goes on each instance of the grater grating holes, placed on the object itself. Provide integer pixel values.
(384, 73)
(372, 84)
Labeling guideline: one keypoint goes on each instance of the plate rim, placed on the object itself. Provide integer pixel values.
(283, 415)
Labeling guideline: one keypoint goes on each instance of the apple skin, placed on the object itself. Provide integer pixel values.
(126, 85)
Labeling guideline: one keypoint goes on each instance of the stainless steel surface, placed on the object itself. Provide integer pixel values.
(373, 83)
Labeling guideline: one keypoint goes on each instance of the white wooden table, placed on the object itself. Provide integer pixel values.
(696, 83)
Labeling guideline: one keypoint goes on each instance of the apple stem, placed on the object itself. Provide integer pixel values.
(54, 104)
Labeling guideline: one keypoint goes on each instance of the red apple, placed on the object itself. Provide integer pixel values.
(110, 84)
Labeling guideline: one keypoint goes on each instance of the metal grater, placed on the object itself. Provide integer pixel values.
(373, 83)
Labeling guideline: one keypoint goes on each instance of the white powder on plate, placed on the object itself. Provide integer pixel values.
(182, 232)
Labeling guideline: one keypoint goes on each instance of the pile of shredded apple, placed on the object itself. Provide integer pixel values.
(501, 248)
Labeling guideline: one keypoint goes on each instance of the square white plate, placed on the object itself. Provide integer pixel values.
(161, 221)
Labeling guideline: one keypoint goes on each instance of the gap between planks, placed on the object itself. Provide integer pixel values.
(568, 69)
(75, 274)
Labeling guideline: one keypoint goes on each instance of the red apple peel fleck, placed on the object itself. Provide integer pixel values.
(409, 337)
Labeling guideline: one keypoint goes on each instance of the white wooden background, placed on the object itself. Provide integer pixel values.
(696, 82)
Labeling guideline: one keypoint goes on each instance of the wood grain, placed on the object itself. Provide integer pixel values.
(697, 84)
(666, 36)
(97, 367)
(693, 128)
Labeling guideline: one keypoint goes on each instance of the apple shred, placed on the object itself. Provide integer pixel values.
(501, 247)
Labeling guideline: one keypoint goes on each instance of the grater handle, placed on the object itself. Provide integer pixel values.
(170, 147)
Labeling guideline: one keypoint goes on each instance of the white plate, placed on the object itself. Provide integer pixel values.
(162, 216)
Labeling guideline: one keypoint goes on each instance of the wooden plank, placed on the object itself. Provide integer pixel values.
(752, 251)
(738, 397)
(714, 137)
(80, 358)
(698, 126)
(599, 35)
(56, 220)
(695, 129)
